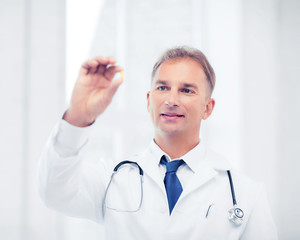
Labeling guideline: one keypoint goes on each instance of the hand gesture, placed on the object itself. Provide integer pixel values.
(93, 90)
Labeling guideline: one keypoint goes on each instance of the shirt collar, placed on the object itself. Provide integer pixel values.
(157, 152)
(196, 159)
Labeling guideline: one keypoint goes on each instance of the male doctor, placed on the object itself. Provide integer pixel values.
(177, 189)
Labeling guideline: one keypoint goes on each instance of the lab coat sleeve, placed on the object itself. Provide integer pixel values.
(260, 225)
(66, 182)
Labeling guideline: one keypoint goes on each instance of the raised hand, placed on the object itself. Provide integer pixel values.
(93, 90)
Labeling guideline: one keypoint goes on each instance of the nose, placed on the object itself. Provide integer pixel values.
(172, 99)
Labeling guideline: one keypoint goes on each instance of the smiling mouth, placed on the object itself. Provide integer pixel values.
(171, 115)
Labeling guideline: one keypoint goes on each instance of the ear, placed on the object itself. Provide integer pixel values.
(148, 100)
(210, 104)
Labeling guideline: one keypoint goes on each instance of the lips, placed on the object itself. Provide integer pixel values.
(172, 115)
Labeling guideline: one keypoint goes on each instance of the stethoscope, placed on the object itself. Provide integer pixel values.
(235, 214)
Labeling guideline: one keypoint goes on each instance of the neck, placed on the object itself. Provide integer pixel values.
(176, 146)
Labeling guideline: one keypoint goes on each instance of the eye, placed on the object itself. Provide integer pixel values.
(162, 88)
(186, 90)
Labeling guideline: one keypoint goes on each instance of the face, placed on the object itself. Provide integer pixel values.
(179, 98)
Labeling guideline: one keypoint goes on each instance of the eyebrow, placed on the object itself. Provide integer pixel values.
(163, 82)
(189, 85)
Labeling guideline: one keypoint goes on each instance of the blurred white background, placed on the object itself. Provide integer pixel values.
(254, 47)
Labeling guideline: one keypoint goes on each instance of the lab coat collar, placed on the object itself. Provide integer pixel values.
(149, 162)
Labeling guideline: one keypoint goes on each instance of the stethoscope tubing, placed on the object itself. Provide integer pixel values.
(231, 188)
(235, 214)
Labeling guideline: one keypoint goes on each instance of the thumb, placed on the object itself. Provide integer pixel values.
(114, 86)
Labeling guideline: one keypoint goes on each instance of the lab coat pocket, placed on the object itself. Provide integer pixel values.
(216, 212)
(217, 224)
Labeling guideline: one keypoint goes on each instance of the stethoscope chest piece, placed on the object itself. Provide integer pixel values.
(235, 215)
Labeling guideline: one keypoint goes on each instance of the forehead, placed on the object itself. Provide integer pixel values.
(180, 69)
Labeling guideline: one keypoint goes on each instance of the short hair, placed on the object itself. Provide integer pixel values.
(191, 53)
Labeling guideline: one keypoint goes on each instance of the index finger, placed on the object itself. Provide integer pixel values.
(93, 64)
(105, 60)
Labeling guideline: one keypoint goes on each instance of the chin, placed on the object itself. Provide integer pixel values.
(169, 132)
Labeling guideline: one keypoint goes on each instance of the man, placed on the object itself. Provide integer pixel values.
(186, 190)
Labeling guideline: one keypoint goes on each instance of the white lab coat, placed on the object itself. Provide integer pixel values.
(71, 186)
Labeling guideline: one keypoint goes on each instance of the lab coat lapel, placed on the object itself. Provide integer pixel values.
(151, 169)
(205, 171)
(198, 180)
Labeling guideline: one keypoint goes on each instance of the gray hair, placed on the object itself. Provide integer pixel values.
(191, 53)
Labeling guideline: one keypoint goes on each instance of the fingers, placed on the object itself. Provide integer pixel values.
(110, 72)
(96, 65)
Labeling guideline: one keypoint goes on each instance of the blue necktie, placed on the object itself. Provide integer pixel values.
(172, 183)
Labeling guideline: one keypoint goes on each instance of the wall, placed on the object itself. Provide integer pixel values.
(253, 46)
(31, 100)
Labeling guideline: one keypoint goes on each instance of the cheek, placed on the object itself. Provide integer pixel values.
(152, 107)
(155, 101)
(197, 109)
